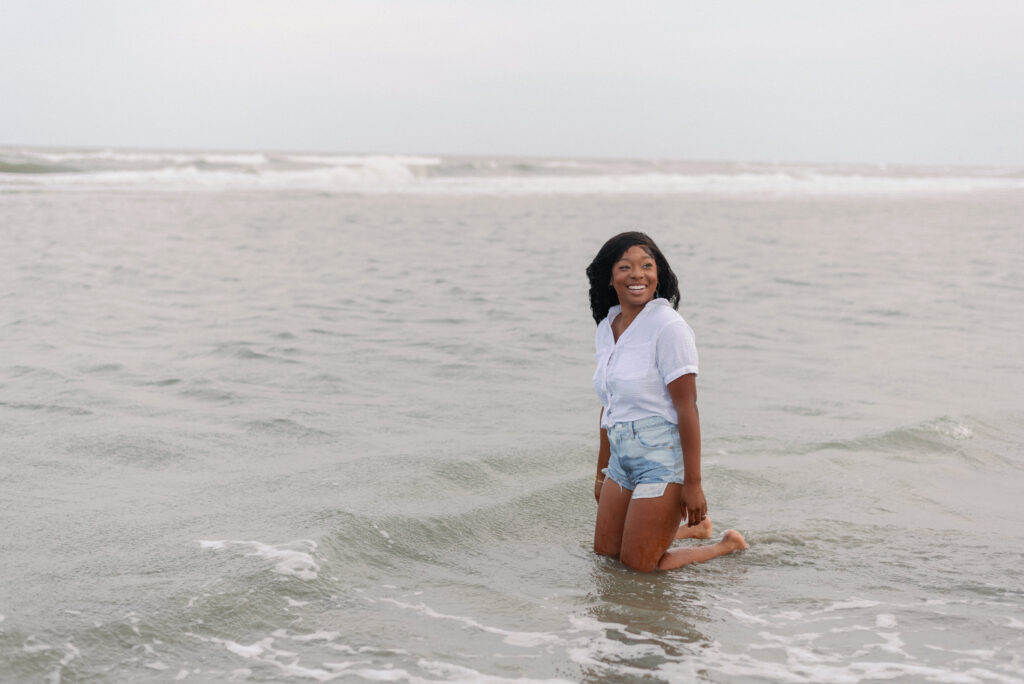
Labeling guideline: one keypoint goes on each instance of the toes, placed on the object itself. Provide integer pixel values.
(735, 538)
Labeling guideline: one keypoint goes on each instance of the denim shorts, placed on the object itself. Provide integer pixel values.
(645, 452)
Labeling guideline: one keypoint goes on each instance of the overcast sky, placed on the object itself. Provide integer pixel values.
(919, 81)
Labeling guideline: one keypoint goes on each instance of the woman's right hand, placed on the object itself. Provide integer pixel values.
(604, 451)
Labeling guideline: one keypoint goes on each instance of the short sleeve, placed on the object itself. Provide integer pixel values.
(676, 350)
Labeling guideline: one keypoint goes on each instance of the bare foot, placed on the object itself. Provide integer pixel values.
(702, 530)
(734, 539)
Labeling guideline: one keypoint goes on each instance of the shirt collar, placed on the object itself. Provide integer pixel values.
(649, 306)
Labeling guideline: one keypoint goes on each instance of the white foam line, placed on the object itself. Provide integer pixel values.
(251, 651)
(451, 674)
(349, 160)
(826, 615)
(589, 624)
(347, 665)
(525, 639)
(885, 621)
(296, 670)
(289, 561)
(263, 652)
(893, 644)
(322, 635)
(976, 653)
(850, 603)
(593, 654)
(456, 673)
(147, 157)
(70, 653)
(745, 617)
(33, 645)
(982, 674)
(803, 667)
(395, 175)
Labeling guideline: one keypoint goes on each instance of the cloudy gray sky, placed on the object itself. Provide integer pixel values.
(920, 81)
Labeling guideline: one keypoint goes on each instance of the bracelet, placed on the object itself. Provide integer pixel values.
(598, 479)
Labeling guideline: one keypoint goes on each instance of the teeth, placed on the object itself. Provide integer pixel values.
(636, 287)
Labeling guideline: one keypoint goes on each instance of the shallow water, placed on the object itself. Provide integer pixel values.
(266, 434)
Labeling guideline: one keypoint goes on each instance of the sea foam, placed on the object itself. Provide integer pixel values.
(289, 561)
(380, 174)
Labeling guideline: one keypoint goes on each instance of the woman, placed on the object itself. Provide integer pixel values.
(648, 464)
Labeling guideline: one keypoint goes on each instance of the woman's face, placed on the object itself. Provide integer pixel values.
(635, 277)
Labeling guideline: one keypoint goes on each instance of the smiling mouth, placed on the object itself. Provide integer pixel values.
(636, 288)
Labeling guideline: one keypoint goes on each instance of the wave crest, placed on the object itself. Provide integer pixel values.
(127, 170)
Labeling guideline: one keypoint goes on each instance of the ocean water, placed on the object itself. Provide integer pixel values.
(293, 417)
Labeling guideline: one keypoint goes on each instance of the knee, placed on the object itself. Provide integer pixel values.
(639, 562)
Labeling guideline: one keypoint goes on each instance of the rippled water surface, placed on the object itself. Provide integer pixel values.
(282, 433)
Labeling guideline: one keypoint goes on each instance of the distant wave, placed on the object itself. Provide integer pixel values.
(30, 167)
(125, 170)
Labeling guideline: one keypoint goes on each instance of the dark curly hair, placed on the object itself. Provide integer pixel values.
(599, 272)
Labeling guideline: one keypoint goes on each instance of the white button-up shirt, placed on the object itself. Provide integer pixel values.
(632, 374)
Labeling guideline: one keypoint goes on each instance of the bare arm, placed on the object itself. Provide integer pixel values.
(603, 454)
(683, 391)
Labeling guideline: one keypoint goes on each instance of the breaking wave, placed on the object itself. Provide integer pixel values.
(23, 169)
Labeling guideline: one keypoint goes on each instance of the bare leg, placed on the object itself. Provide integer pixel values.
(611, 518)
(650, 528)
(731, 541)
(701, 530)
(640, 531)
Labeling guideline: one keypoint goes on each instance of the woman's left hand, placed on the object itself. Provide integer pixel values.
(692, 503)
